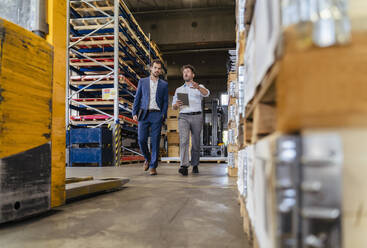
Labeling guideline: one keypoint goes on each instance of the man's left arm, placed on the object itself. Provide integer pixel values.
(203, 91)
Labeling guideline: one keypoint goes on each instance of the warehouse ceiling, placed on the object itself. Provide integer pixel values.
(153, 5)
(197, 32)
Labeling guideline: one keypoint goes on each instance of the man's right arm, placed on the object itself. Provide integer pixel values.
(176, 103)
(137, 100)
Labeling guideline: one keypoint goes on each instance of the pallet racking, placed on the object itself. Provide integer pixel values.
(107, 54)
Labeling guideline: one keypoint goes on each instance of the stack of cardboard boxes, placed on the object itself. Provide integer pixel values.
(173, 138)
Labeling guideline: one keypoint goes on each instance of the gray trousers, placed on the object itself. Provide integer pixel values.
(187, 124)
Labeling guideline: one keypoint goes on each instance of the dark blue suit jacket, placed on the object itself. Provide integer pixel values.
(141, 101)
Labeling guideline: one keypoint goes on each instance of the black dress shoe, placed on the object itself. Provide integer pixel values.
(153, 172)
(195, 170)
(183, 170)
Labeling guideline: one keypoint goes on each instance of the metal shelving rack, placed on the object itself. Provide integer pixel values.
(106, 51)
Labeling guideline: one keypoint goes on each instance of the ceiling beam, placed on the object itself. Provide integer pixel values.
(212, 76)
(197, 47)
(198, 50)
(183, 10)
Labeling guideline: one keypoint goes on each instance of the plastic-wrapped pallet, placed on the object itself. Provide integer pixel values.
(232, 164)
(241, 90)
(264, 219)
(250, 180)
(331, 25)
(261, 44)
(232, 61)
(232, 136)
(267, 34)
(231, 159)
(232, 113)
(243, 160)
(240, 31)
(232, 91)
(247, 159)
(250, 69)
(240, 176)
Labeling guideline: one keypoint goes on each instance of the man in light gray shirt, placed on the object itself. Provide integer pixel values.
(190, 119)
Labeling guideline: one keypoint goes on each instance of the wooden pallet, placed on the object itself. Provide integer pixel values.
(172, 125)
(292, 96)
(202, 159)
(89, 187)
(232, 148)
(171, 113)
(173, 138)
(247, 225)
(173, 150)
(170, 161)
(232, 172)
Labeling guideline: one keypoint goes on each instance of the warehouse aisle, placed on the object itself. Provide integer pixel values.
(163, 211)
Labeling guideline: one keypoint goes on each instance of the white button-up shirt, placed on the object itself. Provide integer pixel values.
(195, 98)
(153, 92)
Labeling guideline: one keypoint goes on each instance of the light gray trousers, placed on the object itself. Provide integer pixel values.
(187, 124)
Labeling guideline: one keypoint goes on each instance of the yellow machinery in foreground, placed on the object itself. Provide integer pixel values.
(25, 122)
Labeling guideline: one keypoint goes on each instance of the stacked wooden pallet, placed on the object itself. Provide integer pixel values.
(232, 147)
(301, 108)
(173, 137)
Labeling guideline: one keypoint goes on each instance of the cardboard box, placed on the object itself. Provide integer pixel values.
(322, 87)
(173, 138)
(172, 125)
(173, 151)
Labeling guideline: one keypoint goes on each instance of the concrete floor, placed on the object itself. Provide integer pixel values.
(163, 211)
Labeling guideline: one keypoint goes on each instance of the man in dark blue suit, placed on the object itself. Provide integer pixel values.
(150, 110)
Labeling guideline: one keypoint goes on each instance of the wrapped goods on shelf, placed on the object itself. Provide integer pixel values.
(232, 136)
(232, 159)
(240, 179)
(267, 31)
(243, 160)
(240, 15)
(232, 113)
(250, 180)
(329, 18)
(232, 61)
(241, 89)
(250, 69)
(232, 91)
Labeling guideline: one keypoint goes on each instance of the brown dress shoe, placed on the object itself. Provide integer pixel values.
(153, 172)
(146, 165)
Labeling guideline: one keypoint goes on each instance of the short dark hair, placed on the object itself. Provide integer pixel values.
(156, 61)
(188, 67)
